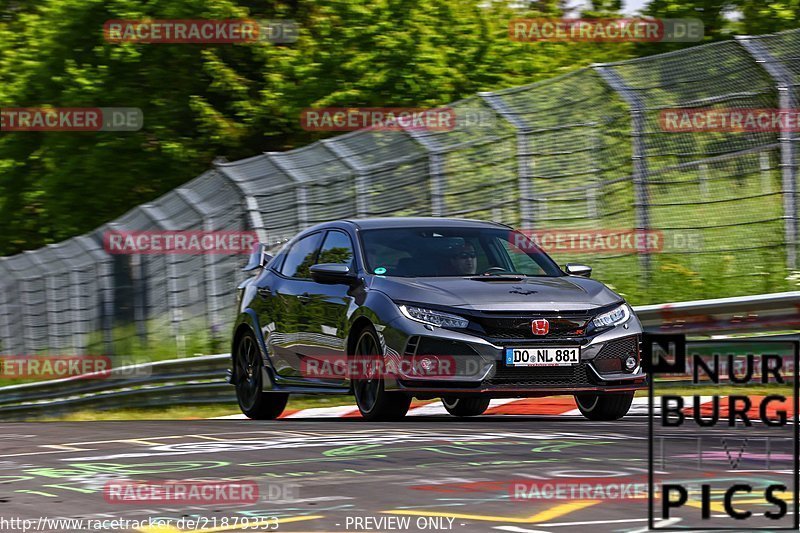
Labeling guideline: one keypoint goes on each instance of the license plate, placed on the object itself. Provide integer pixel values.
(543, 356)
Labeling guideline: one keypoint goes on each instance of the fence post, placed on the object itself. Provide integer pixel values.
(359, 177)
(139, 289)
(786, 101)
(524, 174)
(174, 303)
(254, 215)
(251, 205)
(639, 153)
(591, 192)
(300, 190)
(79, 344)
(435, 170)
(211, 273)
(105, 271)
(49, 289)
(436, 162)
(5, 314)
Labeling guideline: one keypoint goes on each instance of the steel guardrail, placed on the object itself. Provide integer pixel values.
(170, 382)
(741, 314)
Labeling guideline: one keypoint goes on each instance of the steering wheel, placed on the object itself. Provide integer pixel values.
(493, 269)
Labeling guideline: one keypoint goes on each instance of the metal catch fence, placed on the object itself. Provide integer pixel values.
(584, 151)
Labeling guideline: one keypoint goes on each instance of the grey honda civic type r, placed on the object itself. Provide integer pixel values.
(389, 309)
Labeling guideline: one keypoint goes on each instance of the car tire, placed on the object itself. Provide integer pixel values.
(372, 399)
(604, 407)
(247, 377)
(466, 406)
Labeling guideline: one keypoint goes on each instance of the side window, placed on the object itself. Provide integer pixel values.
(280, 257)
(337, 248)
(301, 257)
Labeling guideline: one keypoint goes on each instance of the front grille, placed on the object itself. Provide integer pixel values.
(612, 356)
(565, 376)
(519, 327)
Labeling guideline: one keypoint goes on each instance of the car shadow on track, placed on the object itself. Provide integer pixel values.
(438, 419)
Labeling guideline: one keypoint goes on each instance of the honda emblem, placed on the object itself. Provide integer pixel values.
(540, 326)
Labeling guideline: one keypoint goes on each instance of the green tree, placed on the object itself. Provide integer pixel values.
(204, 101)
(759, 17)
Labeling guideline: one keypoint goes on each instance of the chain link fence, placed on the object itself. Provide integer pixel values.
(587, 150)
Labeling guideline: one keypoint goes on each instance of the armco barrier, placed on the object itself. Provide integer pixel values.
(184, 381)
(743, 314)
(199, 380)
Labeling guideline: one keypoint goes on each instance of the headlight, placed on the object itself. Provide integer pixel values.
(618, 316)
(434, 318)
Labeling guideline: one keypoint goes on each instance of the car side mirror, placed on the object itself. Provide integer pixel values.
(578, 270)
(258, 258)
(332, 273)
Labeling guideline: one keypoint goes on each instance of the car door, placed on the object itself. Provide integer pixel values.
(289, 321)
(330, 306)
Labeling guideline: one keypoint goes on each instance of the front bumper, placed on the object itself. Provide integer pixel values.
(478, 365)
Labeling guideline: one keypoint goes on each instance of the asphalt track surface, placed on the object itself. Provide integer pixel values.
(432, 473)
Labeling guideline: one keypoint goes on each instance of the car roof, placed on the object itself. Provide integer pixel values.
(405, 222)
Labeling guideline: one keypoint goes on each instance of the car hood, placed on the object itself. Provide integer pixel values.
(567, 293)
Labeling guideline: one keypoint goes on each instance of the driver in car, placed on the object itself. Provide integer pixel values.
(464, 261)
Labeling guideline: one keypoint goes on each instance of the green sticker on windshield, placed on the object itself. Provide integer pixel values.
(380, 270)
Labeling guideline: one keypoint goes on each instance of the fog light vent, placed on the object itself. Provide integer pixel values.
(411, 345)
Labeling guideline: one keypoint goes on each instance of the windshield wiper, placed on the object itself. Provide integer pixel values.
(499, 277)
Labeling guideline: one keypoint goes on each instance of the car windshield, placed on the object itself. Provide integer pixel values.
(436, 252)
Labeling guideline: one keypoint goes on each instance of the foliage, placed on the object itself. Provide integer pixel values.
(204, 101)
